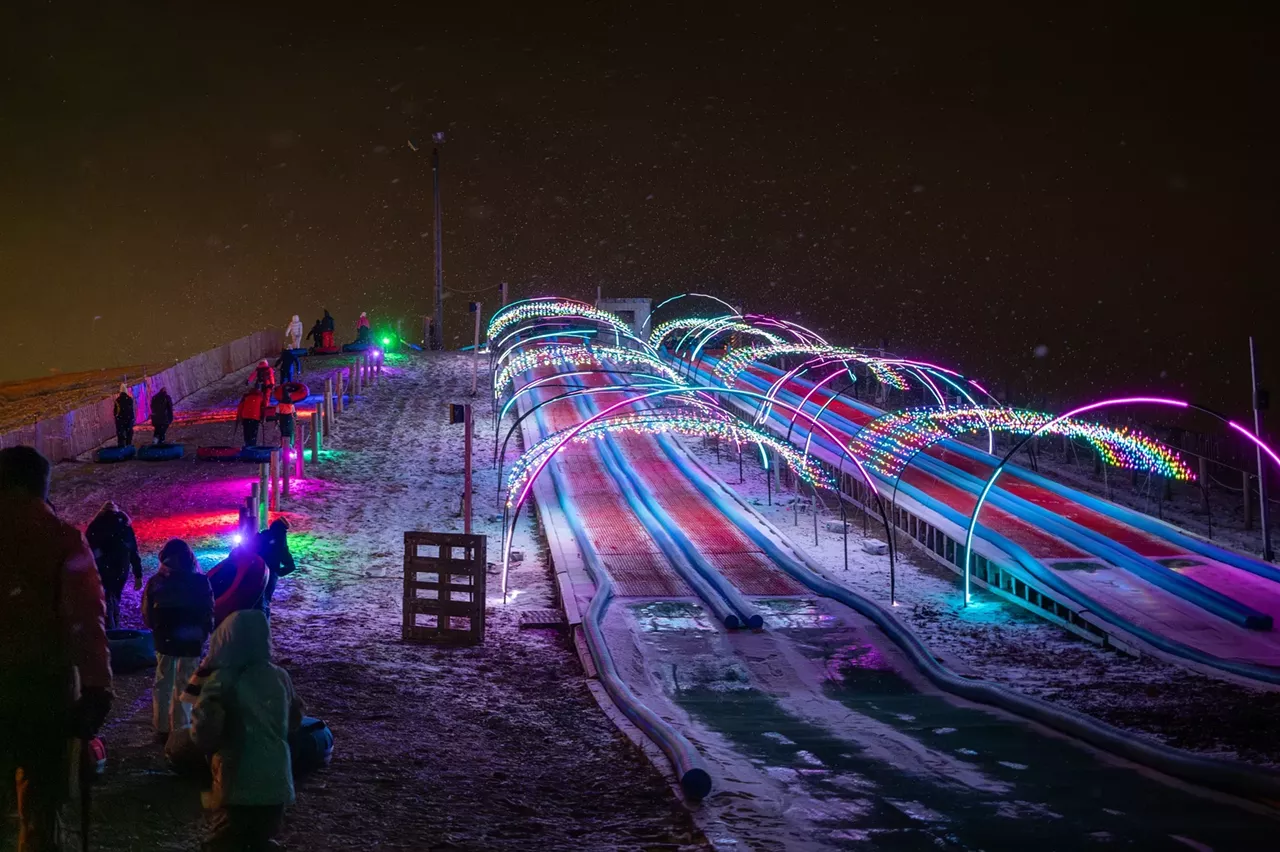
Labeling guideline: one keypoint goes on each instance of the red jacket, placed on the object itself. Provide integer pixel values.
(253, 406)
(262, 375)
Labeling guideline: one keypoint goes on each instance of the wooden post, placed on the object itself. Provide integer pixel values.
(378, 374)
(1248, 500)
(275, 476)
(328, 406)
(353, 384)
(286, 463)
(252, 506)
(263, 490)
(466, 474)
(337, 394)
(316, 429)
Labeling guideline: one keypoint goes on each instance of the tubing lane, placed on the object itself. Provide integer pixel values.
(1034, 569)
(695, 779)
(1248, 782)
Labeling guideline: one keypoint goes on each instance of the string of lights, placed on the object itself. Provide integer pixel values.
(732, 364)
(729, 324)
(566, 356)
(524, 311)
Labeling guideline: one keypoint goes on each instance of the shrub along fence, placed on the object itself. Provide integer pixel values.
(84, 428)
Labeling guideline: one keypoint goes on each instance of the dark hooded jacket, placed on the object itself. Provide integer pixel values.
(124, 413)
(177, 604)
(326, 323)
(115, 548)
(272, 544)
(317, 332)
(161, 409)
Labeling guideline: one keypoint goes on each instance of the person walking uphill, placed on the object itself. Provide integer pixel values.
(272, 544)
(161, 414)
(51, 637)
(125, 413)
(262, 377)
(177, 605)
(243, 714)
(115, 549)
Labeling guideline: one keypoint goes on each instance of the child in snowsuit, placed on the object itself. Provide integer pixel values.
(293, 334)
(177, 605)
(251, 412)
(243, 713)
(161, 414)
(125, 417)
(262, 377)
(115, 549)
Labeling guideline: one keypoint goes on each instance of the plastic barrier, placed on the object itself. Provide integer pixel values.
(131, 650)
(111, 455)
(160, 452)
(218, 453)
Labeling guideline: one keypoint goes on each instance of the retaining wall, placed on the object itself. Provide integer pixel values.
(84, 428)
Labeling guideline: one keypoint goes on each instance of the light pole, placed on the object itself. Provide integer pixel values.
(1260, 400)
(437, 327)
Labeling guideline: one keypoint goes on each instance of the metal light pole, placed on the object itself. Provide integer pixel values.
(1260, 400)
(437, 329)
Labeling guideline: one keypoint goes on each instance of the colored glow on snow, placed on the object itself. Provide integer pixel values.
(731, 365)
(684, 421)
(888, 443)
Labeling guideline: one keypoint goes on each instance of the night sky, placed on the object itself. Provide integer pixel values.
(1098, 185)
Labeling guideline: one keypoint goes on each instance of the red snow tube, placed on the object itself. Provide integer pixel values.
(238, 583)
(326, 340)
(325, 350)
(291, 392)
(218, 453)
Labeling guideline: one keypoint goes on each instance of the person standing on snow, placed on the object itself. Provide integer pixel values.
(251, 413)
(115, 550)
(244, 710)
(177, 605)
(317, 333)
(161, 414)
(327, 327)
(293, 333)
(125, 415)
(363, 332)
(262, 377)
(272, 544)
(51, 637)
(288, 365)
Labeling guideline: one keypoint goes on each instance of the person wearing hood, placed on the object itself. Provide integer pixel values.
(251, 412)
(327, 327)
(243, 713)
(115, 550)
(272, 544)
(51, 638)
(363, 332)
(125, 414)
(288, 365)
(317, 333)
(293, 333)
(177, 605)
(161, 414)
(262, 377)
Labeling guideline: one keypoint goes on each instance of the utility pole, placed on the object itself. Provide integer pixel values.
(1261, 399)
(475, 349)
(437, 328)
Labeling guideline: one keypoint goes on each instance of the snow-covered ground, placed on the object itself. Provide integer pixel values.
(493, 747)
(998, 641)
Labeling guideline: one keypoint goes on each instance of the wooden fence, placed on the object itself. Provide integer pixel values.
(84, 428)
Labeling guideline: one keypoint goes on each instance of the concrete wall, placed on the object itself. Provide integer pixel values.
(84, 428)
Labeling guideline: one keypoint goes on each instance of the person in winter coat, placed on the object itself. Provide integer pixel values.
(161, 414)
(272, 544)
(177, 605)
(243, 714)
(288, 365)
(293, 334)
(115, 549)
(51, 637)
(317, 333)
(251, 413)
(286, 420)
(363, 332)
(363, 322)
(262, 377)
(238, 582)
(125, 415)
(327, 327)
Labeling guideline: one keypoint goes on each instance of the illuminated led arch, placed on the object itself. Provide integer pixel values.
(1093, 406)
(562, 355)
(677, 298)
(728, 323)
(732, 364)
(546, 308)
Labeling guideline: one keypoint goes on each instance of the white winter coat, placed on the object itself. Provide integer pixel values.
(293, 333)
(243, 715)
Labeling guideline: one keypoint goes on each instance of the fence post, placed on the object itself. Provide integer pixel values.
(286, 463)
(1248, 500)
(317, 425)
(357, 377)
(275, 476)
(263, 505)
(251, 505)
(337, 392)
(328, 406)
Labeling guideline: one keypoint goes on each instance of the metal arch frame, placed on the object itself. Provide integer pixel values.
(668, 301)
(1106, 403)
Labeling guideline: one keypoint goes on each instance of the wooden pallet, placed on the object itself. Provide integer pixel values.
(444, 587)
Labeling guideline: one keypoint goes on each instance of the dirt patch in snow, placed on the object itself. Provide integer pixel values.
(493, 747)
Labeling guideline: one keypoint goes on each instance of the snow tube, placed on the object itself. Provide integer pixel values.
(326, 340)
(358, 346)
(325, 350)
(290, 391)
(415, 347)
(131, 650)
(98, 756)
(311, 746)
(238, 583)
(297, 352)
(256, 454)
(160, 452)
(218, 453)
(111, 455)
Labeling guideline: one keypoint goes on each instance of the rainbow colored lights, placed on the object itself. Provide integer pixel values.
(715, 325)
(888, 443)
(566, 356)
(519, 312)
(885, 370)
(686, 421)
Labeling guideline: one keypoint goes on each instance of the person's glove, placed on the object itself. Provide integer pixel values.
(137, 583)
(90, 712)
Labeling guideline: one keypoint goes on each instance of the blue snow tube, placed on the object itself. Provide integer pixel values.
(111, 455)
(160, 452)
(311, 746)
(131, 650)
(256, 454)
(298, 352)
(357, 346)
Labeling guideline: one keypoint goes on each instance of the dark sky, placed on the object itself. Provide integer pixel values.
(1100, 180)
